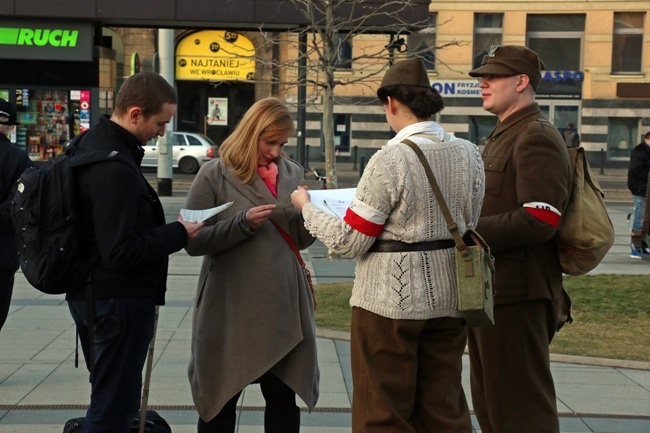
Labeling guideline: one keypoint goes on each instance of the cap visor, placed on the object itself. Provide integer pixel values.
(491, 69)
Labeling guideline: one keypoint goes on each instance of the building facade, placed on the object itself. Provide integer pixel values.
(597, 57)
(597, 77)
(65, 60)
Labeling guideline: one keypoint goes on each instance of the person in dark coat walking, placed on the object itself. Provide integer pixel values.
(13, 161)
(637, 183)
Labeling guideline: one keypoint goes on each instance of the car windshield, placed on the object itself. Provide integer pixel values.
(209, 140)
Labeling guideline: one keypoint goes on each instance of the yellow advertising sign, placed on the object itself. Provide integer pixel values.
(215, 55)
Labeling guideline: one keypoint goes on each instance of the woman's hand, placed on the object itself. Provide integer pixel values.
(257, 215)
(299, 197)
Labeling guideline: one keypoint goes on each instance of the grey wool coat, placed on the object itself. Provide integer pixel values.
(253, 310)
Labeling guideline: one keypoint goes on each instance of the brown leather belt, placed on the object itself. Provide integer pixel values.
(391, 246)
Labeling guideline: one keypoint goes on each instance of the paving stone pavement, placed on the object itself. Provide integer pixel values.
(40, 388)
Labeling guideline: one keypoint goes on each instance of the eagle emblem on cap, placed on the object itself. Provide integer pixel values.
(493, 50)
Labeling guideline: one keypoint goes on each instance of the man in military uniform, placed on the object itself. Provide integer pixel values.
(527, 178)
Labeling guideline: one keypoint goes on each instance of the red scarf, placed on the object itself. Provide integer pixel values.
(269, 175)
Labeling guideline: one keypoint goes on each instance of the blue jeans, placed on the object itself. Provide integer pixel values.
(123, 330)
(637, 216)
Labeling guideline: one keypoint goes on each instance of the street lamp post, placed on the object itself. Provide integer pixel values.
(398, 44)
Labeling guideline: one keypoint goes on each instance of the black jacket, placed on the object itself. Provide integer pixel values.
(637, 174)
(123, 220)
(13, 161)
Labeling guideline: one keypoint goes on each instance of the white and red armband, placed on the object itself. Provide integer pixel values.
(365, 219)
(543, 212)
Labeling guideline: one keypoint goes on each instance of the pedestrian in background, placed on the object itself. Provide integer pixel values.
(527, 180)
(13, 161)
(254, 308)
(407, 335)
(571, 136)
(637, 183)
(128, 241)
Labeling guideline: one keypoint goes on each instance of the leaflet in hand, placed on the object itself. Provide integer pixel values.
(333, 201)
(202, 215)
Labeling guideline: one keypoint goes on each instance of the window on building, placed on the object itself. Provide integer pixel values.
(627, 46)
(622, 136)
(342, 44)
(557, 39)
(488, 31)
(342, 133)
(423, 44)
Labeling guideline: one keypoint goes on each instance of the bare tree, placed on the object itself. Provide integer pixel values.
(379, 31)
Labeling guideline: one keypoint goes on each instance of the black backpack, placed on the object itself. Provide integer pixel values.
(44, 216)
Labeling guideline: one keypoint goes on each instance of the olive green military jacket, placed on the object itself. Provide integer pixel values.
(526, 161)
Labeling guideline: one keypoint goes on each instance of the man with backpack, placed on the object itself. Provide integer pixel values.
(527, 185)
(13, 161)
(637, 183)
(123, 225)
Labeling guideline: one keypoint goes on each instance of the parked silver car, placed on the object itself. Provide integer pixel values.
(190, 151)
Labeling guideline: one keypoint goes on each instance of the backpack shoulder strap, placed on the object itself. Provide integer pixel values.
(77, 160)
(451, 224)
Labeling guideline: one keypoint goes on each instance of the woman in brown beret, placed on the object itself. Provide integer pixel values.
(408, 336)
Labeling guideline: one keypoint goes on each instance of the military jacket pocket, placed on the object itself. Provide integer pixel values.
(495, 167)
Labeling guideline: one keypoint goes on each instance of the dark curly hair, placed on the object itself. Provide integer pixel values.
(424, 102)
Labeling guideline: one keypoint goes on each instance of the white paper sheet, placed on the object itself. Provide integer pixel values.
(333, 201)
(191, 215)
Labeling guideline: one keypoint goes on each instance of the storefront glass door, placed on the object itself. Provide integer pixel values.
(561, 113)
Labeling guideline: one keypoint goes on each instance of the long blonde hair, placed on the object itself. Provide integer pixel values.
(267, 119)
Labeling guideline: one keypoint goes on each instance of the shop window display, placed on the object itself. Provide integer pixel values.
(45, 117)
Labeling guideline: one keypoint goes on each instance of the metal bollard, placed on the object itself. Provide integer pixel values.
(362, 166)
(602, 161)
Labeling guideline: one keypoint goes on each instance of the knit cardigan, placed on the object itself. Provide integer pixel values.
(394, 201)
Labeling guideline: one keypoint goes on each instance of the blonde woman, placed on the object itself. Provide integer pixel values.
(254, 311)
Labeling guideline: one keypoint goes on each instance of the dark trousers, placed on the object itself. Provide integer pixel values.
(123, 329)
(281, 414)
(510, 374)
(407, 375)
(6, 289)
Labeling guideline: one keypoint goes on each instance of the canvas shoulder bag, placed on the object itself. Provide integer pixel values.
(474, 261)
(586, 233)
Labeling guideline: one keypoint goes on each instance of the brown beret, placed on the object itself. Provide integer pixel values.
(511, 60)
(407, 72)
